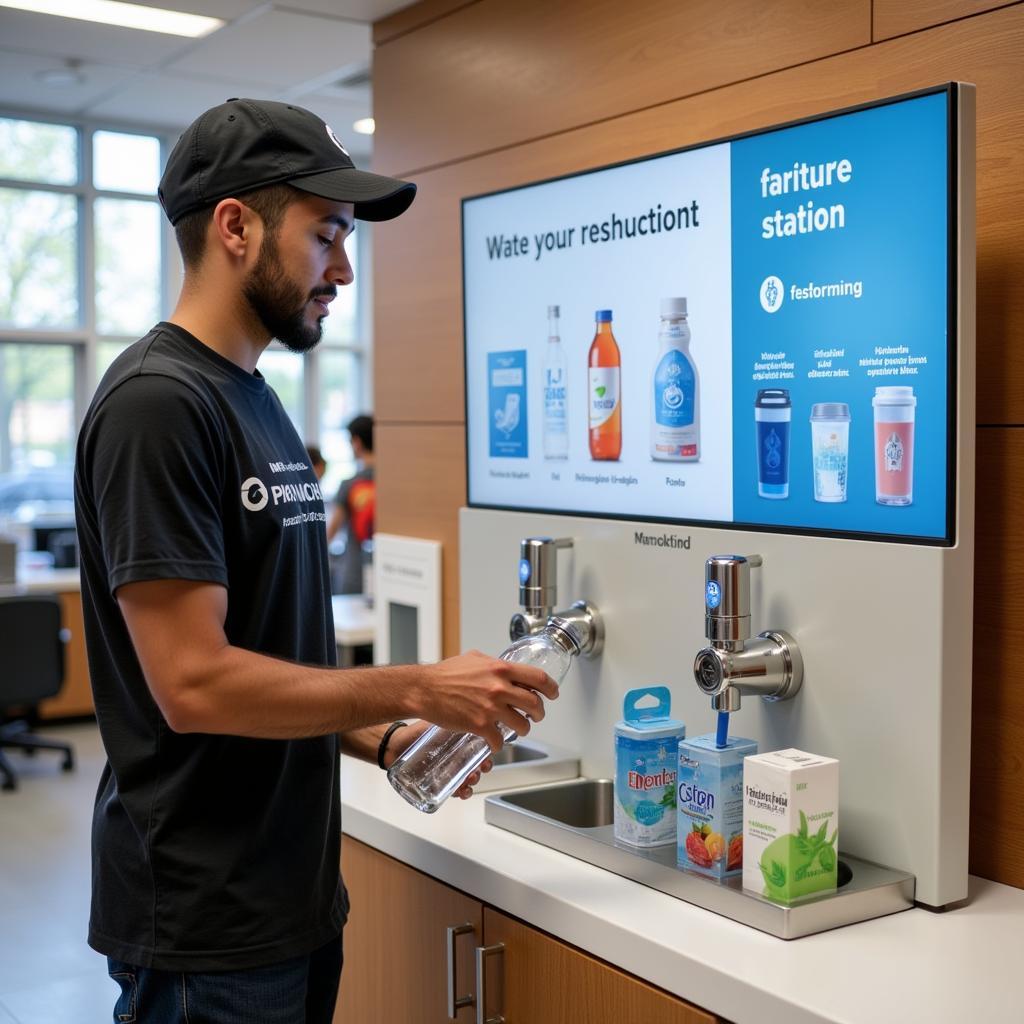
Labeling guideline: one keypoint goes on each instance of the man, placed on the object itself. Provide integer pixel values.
(216, 831)
(355, 507)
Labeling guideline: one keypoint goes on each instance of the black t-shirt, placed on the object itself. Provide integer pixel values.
(209, 852)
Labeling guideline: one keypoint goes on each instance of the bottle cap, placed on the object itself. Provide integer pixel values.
(603, 316)
(673, 307)
(553, 311)
(830, 411)
(894, 396)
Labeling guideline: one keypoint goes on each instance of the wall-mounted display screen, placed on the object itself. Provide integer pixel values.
(758, 332)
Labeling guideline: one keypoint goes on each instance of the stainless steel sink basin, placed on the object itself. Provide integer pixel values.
(528, 762)
(576, 818)
(586, 803)
(517, 753)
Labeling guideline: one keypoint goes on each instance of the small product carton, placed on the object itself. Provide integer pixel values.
(790, 824)
(710, 806)
(646, 752)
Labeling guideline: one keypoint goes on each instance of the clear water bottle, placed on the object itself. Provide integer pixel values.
(440, 761)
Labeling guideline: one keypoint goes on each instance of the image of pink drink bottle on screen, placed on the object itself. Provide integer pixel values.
(894, 445)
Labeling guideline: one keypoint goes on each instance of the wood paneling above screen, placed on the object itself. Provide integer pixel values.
(898, 17)
(415, 17)
(501, 72)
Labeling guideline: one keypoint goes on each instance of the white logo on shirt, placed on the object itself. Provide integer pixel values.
(254, 494)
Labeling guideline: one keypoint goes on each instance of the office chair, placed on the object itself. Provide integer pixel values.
(31, 669)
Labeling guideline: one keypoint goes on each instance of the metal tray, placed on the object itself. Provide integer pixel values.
(575, 818)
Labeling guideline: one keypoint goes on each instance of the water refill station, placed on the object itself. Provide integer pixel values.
(826, 436)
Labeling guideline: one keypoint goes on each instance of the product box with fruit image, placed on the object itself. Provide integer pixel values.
(790, 824)
(710, 805)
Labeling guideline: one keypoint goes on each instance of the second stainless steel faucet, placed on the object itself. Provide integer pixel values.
(770, 667)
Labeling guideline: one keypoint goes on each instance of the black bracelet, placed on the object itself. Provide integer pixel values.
(382, 749)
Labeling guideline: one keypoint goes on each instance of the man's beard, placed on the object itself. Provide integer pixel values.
(278, 302)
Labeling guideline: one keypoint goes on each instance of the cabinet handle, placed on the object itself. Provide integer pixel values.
(482, 955)
(455, 1003)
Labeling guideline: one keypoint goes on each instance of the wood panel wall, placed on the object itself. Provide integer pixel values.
(476, 96)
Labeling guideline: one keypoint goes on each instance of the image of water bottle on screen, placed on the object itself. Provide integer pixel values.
(773, 413)
(604, 383)
(675, 410)
(556, 395)
(894, 409)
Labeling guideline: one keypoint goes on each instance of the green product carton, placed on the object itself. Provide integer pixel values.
(790, 824)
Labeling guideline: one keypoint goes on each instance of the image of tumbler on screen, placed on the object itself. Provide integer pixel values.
(830, 450)
(773, 412)
(894, 409)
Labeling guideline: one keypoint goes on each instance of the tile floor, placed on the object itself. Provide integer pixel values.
(48, 975)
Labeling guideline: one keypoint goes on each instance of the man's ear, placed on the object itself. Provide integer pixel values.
(234, 227)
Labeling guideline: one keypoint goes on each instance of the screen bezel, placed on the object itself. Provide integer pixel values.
(951, 91)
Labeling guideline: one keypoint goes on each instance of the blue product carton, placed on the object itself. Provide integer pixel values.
(646, 753)
(710, 805)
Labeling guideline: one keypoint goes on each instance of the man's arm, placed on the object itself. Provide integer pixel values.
(201, 683)
(336, 522)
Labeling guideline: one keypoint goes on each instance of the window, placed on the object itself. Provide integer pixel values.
(83, 274)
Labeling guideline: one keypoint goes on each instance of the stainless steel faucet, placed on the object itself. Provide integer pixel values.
(538, 596)
(770, 667)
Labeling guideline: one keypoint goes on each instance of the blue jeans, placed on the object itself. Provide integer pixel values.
(298, 991)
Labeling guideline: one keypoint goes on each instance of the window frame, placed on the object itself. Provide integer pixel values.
(85, 339)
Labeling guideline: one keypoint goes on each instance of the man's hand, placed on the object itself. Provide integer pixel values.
(402, 739)
(475, 693)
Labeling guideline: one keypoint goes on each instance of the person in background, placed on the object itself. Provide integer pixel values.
(216, 841)
(317, 462)
(355, 507)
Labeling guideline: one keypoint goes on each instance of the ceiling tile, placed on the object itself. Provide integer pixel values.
(284, 48)
(19, 87)
(170, 100)
(45, 35)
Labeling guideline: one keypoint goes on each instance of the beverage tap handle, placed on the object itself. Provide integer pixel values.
(727, 597)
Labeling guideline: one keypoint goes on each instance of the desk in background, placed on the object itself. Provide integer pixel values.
(75, 697)
(353, 625)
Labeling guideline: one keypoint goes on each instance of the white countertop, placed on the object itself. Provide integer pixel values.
(43, 581)
(916, 966)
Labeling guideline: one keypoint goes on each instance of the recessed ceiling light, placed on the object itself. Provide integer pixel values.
(365, 126)
(60, 78)
(124, 15)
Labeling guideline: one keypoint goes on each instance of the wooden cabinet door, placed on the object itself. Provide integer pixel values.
(395, 942)
(75, 697)
(539, 980)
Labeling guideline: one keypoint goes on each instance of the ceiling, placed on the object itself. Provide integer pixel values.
(314, 52)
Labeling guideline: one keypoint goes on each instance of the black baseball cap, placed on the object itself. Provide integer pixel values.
(244, 144)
